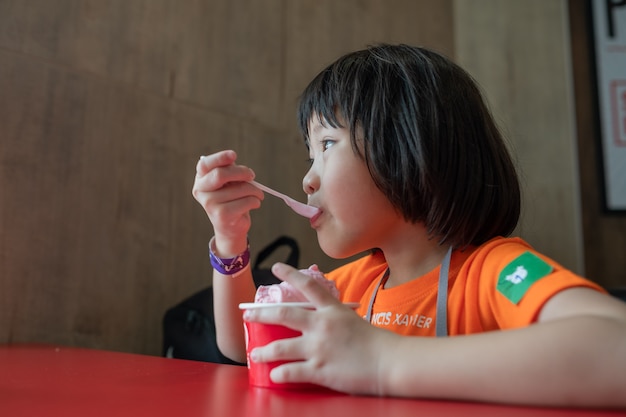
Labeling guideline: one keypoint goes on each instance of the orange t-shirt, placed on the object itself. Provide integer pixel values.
(501, 284)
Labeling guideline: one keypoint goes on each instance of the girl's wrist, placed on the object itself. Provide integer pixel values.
(224, 246)
(232, 265)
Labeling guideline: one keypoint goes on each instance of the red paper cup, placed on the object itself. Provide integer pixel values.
(260, 334)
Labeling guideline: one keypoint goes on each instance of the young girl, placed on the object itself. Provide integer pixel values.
(407, 163)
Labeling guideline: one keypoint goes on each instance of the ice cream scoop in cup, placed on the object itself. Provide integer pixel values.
(286, 293)
(261, 334)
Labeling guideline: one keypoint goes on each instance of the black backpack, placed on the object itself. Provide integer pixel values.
(189, 326)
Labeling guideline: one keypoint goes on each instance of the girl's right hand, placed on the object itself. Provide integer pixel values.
(222, 188)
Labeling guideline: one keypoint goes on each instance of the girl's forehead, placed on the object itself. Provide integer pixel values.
(320, 128)
(317, 123)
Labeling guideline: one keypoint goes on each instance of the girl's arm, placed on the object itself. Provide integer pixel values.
(221, 188)
(228, 293)
(575, 355)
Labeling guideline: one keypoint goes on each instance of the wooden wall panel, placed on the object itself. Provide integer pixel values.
(99, 233)
(231, 58)
(211, 53)
(127, 41)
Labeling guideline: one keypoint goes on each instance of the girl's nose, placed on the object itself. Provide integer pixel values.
(310, 182)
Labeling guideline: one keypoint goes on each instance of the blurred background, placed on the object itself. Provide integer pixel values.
(106, 106)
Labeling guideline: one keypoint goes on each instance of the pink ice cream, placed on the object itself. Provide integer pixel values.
(286, 293)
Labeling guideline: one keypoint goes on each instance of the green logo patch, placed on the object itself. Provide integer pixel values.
(517, 277)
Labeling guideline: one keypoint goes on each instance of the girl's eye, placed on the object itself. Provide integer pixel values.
(327, 143)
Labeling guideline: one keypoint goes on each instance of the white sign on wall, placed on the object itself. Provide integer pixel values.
(609, 23)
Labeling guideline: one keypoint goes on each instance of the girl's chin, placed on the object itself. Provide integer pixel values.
(332, 249)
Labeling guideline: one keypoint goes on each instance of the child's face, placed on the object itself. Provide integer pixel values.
(355, 215)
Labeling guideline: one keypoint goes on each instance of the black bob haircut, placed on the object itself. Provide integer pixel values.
(421, 125)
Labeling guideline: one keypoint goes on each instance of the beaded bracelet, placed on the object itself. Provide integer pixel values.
(229, 266)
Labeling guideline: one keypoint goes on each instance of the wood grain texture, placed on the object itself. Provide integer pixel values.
(99, 230)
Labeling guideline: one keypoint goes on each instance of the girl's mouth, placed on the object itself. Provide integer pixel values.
(313, 219)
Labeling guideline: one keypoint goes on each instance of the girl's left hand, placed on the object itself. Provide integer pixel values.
(337, 349)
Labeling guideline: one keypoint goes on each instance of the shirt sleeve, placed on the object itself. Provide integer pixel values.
(516, 281)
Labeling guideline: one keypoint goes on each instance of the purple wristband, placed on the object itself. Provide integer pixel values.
(229, 266)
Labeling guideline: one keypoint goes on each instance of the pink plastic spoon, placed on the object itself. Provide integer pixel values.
(300, 208)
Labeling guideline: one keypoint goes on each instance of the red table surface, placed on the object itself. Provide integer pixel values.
(61, 381)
